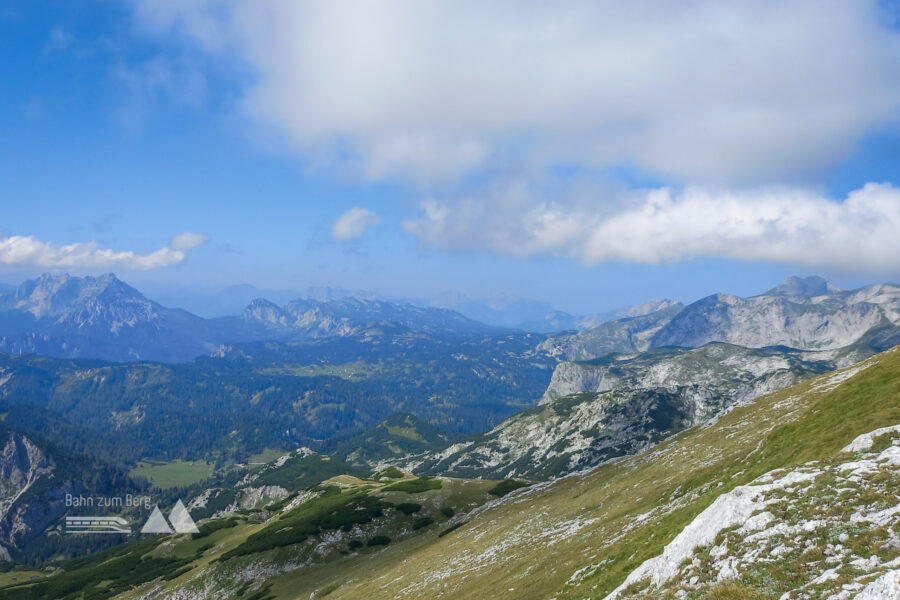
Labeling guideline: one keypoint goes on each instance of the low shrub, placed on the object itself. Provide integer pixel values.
(379, 540)
(408, 508)
(414, 486)
(506, 486)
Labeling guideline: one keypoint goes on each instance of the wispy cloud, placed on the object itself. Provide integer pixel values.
(702, 91)
(353, 223)
(187, 241)
(143, 86)
(783, 225)
(30, 251)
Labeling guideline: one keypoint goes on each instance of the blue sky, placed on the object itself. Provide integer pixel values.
(591, 156)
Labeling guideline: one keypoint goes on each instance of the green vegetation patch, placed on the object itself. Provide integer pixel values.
(177, 473)
(379, 540)
(414, 486)
(301, 472)
(103, 575)
(409, 508)
(390, 473)
(266, 456)
(506, 486)
(326, 513)
(350, 371)
(210, 527)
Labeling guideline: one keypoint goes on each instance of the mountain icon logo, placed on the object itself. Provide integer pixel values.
(180, 519)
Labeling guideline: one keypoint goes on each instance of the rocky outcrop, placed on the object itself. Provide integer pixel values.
(604, 409)
(575, 378)
(844, 553)
(27, 505)
(22, 463)
(671, 368)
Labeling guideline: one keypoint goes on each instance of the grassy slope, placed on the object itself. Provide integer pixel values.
(460, 495)
(162, 564)
(532, 544)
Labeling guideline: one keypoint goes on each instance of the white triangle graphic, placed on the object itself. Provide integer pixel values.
(181, 519)
(156, 523)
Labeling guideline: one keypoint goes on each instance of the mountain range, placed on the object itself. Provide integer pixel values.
(105, 318)
(502, 310)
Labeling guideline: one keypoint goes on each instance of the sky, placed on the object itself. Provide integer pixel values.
(590, 154)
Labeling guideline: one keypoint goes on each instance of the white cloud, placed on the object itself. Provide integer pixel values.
(701, 90)
(353, 223)
(28, 250)
(187, 241)
(784, 225)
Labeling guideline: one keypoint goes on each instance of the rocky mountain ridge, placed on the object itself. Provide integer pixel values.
(803, 313)
(311, 319)
(105, 318)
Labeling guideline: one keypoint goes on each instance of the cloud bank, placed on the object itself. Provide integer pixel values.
(353, 223)
(747, 91)
(30, 251)
(783, 225)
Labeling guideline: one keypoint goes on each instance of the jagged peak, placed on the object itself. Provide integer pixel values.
(52, 294)
(809, 286)
(261, 309)
(261, 303)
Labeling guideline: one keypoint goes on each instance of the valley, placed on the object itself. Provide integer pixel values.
(329, 463)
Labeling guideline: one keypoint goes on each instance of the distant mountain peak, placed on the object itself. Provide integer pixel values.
(806, 287)
(53, 294)
(645, 308)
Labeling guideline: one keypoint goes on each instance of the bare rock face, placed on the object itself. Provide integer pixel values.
(576, 378)
(22, 463)
(829, 323)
